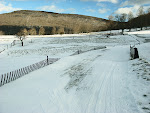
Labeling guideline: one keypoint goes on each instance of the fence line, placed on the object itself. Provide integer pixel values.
(111, 33)
(2, 50)
(80, 51)
(9, 45)
(13, 75)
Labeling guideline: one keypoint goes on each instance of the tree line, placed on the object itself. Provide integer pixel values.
(34, 30)
(129, 21)
(41, 31)
(48, 30)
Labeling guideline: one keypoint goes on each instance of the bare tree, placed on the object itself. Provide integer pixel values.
(53, 30)
(148, 10)
(117, 18)
(85, 28)
(146, 18)
(24, 31)
(140, 13)
(111, 22)
(60, 30)
(122, 19)
(21, 35)
(76, 29)
(2, 33)
(130, 17)
(41, 31)
(32, 31)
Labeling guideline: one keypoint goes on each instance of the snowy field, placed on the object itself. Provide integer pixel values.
(97, 81)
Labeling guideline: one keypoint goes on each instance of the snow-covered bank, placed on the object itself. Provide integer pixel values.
(139, 83)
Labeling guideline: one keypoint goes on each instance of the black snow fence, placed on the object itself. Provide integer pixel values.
(11, 76)
(134, 52)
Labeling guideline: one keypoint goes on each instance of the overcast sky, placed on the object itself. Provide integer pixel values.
(96, 8)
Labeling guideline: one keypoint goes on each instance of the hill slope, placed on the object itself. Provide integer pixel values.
(69, 23)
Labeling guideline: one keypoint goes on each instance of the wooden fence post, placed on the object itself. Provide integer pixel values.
(31, 67)
(26, 70)
(4, 79)
(21, 72)
(34, 67)
(38, 64)
(7, 78)
(47, 60)
(12, 76)
(1, 80)
(17, 74)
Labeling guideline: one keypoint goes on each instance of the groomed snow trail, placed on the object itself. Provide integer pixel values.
(105, 89)
(97, 84)
(110, 93)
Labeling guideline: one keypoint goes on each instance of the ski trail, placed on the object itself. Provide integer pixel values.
(102, 89)
(110, 92)
(98, 101)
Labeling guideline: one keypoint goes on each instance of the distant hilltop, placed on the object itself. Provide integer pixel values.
(50, 22)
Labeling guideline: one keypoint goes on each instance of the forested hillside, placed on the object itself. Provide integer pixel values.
(40, 23)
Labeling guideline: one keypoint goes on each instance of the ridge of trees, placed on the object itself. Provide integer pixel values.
(128, 21)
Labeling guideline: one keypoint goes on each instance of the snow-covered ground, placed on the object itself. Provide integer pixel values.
(97, 81)
(38, 48)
